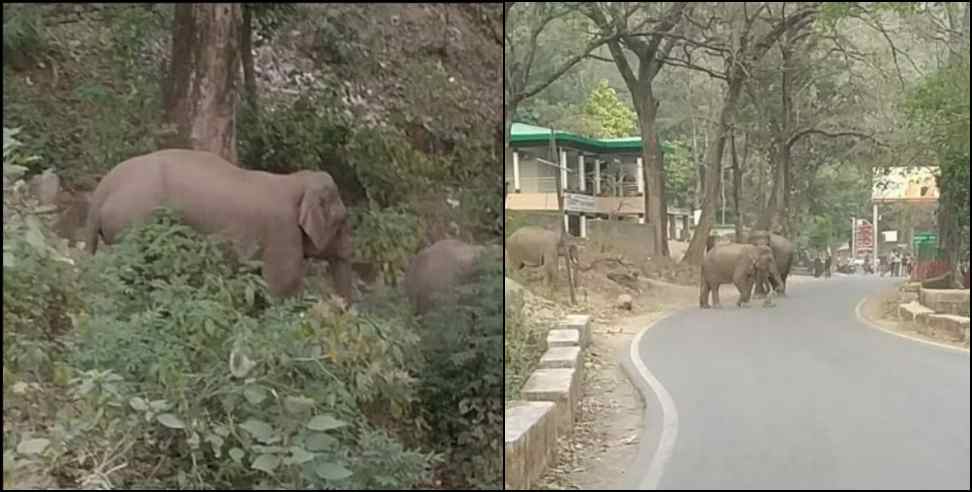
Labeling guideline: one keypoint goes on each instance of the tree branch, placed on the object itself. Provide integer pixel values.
(796, 137)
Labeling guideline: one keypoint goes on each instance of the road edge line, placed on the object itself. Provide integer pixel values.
(866, 321)
(647, 386)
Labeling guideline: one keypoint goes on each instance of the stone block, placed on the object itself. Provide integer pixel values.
(563, 338)
(531, 442)
(954, 302)
(947, 326)
(561, 358)
(559, 386)
(913, 312)
(581, 323)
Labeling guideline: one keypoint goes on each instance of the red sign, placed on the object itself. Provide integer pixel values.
(864, 238)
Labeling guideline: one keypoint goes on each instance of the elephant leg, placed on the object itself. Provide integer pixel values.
(761, 290)
(550, 270)
(745, 293)
(704, 292)
(716, 302)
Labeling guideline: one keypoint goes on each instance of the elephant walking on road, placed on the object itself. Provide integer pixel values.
(282, 218)
(537, 247)
(742, 265)
(440, 267)
(783, 253)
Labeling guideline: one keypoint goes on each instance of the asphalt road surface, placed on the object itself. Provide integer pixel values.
(799, 396)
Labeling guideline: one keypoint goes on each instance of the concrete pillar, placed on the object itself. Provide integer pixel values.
(597, 177)
(640, 173)
(581, 181)
(877, 237)
(516, 172)
(563, 168)
(567, 223)
(583, 226)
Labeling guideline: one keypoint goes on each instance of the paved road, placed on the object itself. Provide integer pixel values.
(802, 396)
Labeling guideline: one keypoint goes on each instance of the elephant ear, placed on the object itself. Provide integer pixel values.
(313, 218)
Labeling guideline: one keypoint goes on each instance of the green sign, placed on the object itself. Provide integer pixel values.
(926, 238)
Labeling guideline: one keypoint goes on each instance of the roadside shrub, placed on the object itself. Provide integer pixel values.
(524, 344)
(187, 370)
(461, 381)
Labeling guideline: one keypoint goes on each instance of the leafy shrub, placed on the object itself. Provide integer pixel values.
(524, 344)
(387, 238)
(39, 291)
(461, 380)
(185, 368)
(306, 135)
(23, 35)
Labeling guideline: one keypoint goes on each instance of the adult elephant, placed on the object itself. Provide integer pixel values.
(436, 270)
(783, 252)
(281, 218)
(742, 265)
(532, 246)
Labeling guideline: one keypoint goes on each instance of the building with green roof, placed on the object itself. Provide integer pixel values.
(603, 178)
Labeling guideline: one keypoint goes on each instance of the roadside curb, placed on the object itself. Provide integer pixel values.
(866, 321)
(547, 412)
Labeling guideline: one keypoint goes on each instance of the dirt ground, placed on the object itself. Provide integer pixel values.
(606, 434)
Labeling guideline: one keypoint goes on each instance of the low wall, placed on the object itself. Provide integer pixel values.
(954, 302)
(630, 239)
(535, 425)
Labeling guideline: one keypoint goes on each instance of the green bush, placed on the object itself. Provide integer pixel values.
(524, 344)
(23, 33)
(186, 369)
(462, 382)
(387, 238)
(39, 291)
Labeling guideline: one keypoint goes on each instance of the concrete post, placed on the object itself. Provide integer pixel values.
(516, 172)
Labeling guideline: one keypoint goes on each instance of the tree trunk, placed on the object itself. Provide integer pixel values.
(713, 161)
(203, 98)
(656, 213)
(736, 187)
(246, 49)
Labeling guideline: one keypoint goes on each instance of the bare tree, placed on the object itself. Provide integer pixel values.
(749, 32)
(526, 23)
(201, 95)
(651, 46)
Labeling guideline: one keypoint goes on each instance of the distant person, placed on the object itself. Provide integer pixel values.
(828, 264)
(817, 267)
(895, 264)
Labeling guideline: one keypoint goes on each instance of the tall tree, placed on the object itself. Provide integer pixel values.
(747, 34)
(649, 40)
(201, 95)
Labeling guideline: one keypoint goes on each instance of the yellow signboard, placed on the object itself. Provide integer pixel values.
(905, 185)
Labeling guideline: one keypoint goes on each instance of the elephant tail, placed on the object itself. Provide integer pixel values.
(92, 228)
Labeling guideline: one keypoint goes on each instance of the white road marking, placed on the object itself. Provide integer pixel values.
(669, 433)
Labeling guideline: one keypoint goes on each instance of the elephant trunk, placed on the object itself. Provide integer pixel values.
(341, 270)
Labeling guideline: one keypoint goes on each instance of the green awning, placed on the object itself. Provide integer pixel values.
(522, 135)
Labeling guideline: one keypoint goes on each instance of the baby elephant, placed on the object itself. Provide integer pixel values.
(740, 264)
(440, 267)
(537, 247)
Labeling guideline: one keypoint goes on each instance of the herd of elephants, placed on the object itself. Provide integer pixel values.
(285, 218)
(761, 264)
